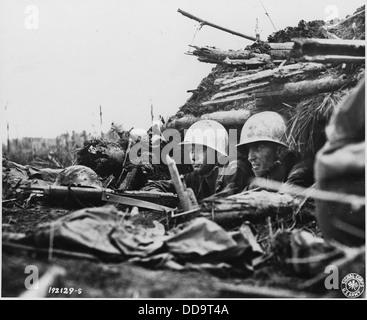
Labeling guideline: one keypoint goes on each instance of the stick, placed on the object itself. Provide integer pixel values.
(335, 59)
(268, 16)
(345, 20)
(311, 192)
(242, 96)
(123, 164)
(9, 200)
(253, 62)
(203, 22)
(231, 75)
(304, 46)
(248, 291)
(130, 177)
(218, 55)
(7, 246)
(280, 54)
(261, 75)
(240, 90)
(281, 46)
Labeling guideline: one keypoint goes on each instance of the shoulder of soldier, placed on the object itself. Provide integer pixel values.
(303, 164)
(235, 170)
(191, 177)
(239, 165)
(301, 173)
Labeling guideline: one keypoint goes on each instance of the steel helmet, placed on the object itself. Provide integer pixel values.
(264, 126)
(78, 176)
(208, 133)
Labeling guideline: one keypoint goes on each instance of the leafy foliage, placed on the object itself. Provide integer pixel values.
(311, 29)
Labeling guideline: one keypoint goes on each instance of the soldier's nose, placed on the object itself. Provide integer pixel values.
(251, 156)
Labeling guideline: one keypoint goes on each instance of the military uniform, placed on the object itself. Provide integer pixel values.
(291, 171)
(228, 180)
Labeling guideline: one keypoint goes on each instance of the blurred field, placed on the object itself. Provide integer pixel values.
(58, 152)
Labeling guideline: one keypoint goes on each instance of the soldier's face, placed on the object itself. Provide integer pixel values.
(262, 156)
(202, 158)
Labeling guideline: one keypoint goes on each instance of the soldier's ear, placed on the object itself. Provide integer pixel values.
(281, 153)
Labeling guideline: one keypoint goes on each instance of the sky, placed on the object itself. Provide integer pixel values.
(61, 61)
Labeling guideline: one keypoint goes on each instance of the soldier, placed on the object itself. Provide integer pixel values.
(263, 141)
(207, 142)
(340, 168)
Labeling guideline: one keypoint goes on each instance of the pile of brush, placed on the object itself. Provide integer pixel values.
(110, 158)
(302, 76)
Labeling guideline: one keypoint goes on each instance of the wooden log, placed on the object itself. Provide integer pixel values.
(311, 192)
(238, 97)
(304, 88)
(129, 180)
(219, 55)
(312, 47)
(261, 75)
(294, 90)
(280, 54)
(240, 90)
(238, 214)
(281, 46)
(253, 62)
(253, 206)
(335, 59)
(329, 35)
(230, 118)
(215, 55)
(203, 22)
(230, 75)
(253, 87)
(208, 60)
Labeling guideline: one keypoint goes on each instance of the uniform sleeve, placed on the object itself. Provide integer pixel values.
(159, 186)
(168, 186)
(236, 177)
(302, 174)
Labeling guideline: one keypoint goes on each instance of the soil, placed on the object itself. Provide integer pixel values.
(127, 280)
(120, 280)
(311, 29)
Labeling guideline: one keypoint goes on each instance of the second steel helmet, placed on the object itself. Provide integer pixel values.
(264, 126)
(208, 133)
(78, 176)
